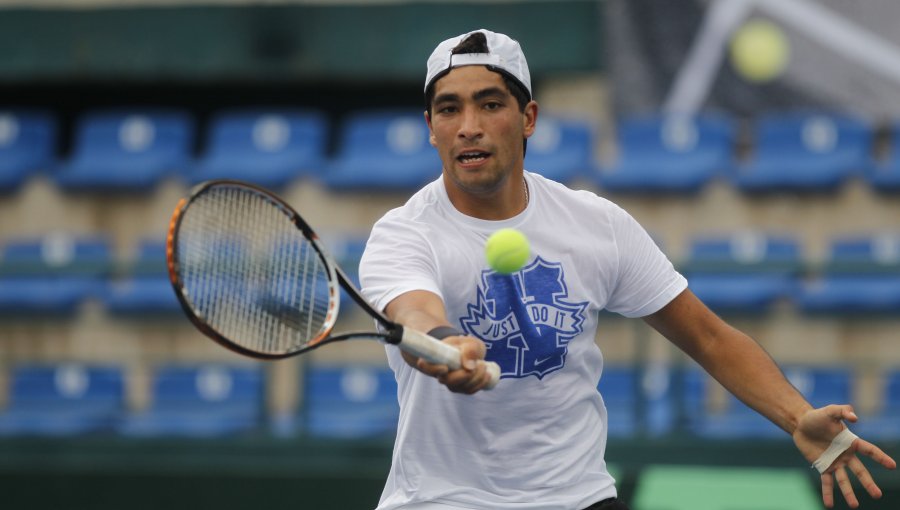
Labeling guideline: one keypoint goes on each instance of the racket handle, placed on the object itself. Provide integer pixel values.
(435, 351)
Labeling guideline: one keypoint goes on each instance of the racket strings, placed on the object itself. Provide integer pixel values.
(250, 273)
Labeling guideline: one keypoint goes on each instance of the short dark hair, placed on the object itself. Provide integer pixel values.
(477, 43)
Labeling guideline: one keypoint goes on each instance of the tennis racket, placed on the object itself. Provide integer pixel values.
(252, 275)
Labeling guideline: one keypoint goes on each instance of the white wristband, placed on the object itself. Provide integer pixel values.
(838, 445)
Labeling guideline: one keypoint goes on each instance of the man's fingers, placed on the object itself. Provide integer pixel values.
(471, 377)
(875, 453)
(828, 490)
(838, 412)
(466, 381)
(846, 488)
(478, 379)
(432, 369)
(470, 353)
(865, 478)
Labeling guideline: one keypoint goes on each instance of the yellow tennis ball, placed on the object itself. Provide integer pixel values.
(507, 250)
(759, 51)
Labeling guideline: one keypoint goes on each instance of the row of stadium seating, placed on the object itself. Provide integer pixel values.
(353, 401)
(56, 273)
(207, 400)
(743, 273)
(130, 150)
(657, 400)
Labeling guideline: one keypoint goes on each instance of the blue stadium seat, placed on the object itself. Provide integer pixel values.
(637, 407)
(62, 400)
(692, 391)
(734, 421)
(27, 145)
(883, 425)
(200, 401)
(267, 147)
(126, 150)
(385, 150)
(347, 250)
(805, 152)
(143, 288)
(884, 175)
(669, 154)
(862, 275)
(618, 386)
(561, 149)
(661, 406)
(820, 385)
(53, 274)
(350, 401)
(744, 272)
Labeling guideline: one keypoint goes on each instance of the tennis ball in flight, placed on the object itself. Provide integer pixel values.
(760, 51)
(507, 250)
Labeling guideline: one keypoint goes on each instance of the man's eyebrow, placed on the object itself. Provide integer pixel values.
(489, 92)
(451, 97)
(446, 98)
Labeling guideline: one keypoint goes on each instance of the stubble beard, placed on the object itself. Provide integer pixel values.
(483, 182)
(480, 186)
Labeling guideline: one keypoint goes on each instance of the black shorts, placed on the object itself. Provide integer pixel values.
(608, 504)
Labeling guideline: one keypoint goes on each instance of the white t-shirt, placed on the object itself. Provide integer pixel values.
(537, 440)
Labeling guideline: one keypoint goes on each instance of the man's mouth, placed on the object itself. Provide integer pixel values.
(472, 157)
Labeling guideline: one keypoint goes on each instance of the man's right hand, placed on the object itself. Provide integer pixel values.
(471, 377)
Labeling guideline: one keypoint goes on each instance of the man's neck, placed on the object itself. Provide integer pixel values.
(508, 201)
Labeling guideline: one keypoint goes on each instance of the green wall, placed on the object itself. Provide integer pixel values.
(262, 472)
(287, 42)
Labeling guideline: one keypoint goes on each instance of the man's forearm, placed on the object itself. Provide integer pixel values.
(734, 359)
(419, 310)
(749, 373)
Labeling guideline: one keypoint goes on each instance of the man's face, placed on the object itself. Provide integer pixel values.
(478, 129)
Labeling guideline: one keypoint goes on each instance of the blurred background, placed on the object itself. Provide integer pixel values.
(757, 140)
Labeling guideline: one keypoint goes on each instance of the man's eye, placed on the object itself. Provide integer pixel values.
(447, 109)
(493, 105)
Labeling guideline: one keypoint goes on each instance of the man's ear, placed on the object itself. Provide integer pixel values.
(431, 138)
(529, 118)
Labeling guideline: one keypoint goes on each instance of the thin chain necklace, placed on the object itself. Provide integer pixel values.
(525, 185)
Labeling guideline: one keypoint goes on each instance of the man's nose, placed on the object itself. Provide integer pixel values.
(470, 125)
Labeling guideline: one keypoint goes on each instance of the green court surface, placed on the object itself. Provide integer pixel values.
(718, 488)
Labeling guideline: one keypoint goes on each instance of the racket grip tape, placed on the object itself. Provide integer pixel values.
(433, 350)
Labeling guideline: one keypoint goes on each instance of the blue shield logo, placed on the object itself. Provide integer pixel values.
(525, 319)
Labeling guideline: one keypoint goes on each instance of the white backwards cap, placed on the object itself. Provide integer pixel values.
(504, 54)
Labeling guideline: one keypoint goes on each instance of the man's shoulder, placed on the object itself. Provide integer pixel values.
(416, 209)
(571, 195)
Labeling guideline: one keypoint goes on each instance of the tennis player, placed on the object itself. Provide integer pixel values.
(537, 440)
